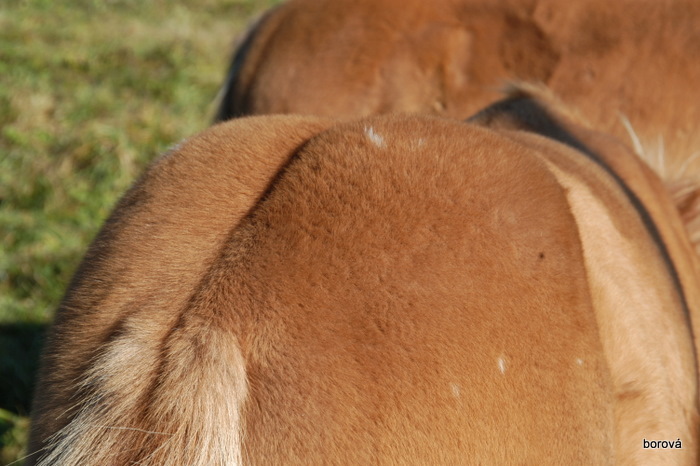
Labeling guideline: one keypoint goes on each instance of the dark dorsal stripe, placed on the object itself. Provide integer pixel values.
(530, 115)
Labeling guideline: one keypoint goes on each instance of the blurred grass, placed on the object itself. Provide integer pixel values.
(90, 92)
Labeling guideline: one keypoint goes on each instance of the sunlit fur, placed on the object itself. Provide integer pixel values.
(392, 290)
(631, 67)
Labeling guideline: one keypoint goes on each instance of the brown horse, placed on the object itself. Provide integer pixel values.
(631, 67)
(393, 289)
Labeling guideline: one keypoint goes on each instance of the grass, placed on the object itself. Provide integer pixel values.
(90, 92)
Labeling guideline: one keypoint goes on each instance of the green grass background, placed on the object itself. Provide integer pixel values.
(90, 92)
